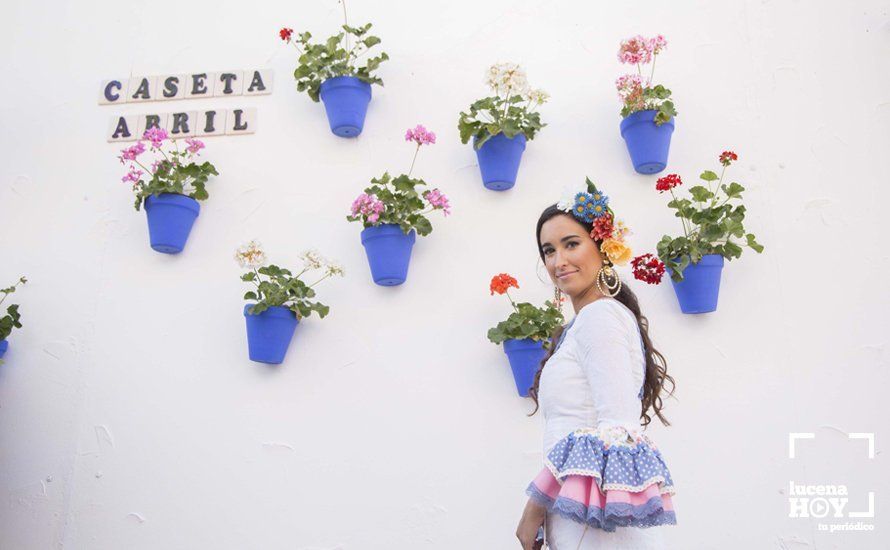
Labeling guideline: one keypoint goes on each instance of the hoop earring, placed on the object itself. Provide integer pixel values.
(557, 298)
(608, 278)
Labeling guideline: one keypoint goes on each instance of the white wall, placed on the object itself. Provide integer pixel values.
(130, 416)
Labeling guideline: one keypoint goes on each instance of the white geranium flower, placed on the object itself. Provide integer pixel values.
(507, 77)
(250, 255)
(538, 96)
(312, 259)
(333, 268)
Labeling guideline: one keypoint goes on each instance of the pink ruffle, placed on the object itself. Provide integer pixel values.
(580, 498)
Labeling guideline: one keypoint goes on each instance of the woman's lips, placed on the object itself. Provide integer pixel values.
(566, 274)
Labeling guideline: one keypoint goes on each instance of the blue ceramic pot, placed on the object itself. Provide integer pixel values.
(700, 287)
(499, 159)
(525, 359)
(346, 101)
(647, 143)
(389, 252)
(170, 220)
(269, 333)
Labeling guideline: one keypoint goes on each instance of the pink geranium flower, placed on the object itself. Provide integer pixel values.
(635, 50)
(438, 200)
(156, 136)
(420, 135)
(130, 153)
(194, 145)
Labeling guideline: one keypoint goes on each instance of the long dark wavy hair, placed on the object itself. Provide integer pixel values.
(656, 366)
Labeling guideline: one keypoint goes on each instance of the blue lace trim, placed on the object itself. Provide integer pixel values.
(616, 514)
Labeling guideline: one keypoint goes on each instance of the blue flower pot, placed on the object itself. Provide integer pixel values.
(647, 143)
(499, 159)
(269, 333)
(346, 101)
(525, 359)
(170, 219)
(700, 287)
(389, 252)
(4, 345)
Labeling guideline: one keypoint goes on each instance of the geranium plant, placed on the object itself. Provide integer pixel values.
(636, 91)
(712, 219)
(12, 318)
(526, 320)
(396, 200)
(338, 55)
(511, 110)
(173, 170)
(276, 286)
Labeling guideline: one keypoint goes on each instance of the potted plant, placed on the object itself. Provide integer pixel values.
(647, 112)
(175, 185)
(711, 219)
(331, 71)
(280, 300)
(500, 125)
(12, 318)
(525, 333)
(393, 212)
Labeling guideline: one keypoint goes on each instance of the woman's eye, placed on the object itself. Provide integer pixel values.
(571, 244)
(548, 251)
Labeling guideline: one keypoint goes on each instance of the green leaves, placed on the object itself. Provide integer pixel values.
(177, 175)
(490, 116)
(12, 317)
(319, 62)
(707, 175)
(281, 288)
(528, 321)
(710, 224)
(700, 194)
(404, 204)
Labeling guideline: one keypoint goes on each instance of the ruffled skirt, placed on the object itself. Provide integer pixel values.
(605, 479)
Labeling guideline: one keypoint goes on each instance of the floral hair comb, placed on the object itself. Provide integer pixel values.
(592, 206)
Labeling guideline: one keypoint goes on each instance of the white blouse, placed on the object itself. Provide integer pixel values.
(595, 377)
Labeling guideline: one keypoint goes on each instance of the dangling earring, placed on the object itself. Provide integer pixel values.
(608, 278)
(557, 298)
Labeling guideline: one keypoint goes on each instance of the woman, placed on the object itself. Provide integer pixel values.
(603, 479)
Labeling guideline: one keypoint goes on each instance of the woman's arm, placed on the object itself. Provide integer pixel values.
(532, 519)
(604, 349)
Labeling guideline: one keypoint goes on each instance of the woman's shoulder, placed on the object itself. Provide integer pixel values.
(605, 310)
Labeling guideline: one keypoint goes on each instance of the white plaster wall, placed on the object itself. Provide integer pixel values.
(130, 416)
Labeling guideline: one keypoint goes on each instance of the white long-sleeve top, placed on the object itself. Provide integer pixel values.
(594, 378)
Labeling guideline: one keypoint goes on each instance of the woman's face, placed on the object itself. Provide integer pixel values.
(570, 255)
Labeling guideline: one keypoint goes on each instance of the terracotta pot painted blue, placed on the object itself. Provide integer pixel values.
(170, 220)
(525, 359)
(647, 143)
(4, 345)
(700, 287)
(389, 252)
(499, 159)
(269, 333)
(346, 101)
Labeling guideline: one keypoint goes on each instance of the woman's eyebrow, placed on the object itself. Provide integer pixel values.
(567, 237)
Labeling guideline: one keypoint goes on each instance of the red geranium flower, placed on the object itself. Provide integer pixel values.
(726, 157)
(500, 283)
(602, 228)
(285, 34)
(668, 182)
(648, 268)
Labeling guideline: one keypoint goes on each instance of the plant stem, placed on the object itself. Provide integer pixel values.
(414, 160)
(346, 23)
(652, 73)
(320, 280)
(507, 293)
(682, 218)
